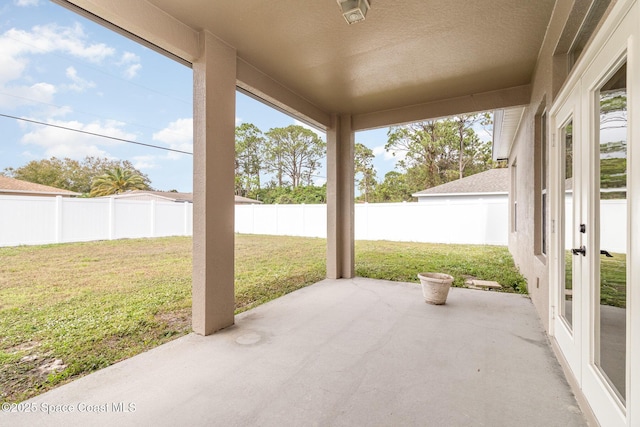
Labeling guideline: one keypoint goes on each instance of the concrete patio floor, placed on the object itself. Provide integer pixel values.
(355, 352)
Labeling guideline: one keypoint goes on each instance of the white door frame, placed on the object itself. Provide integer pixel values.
(568, 337)
(617, 41)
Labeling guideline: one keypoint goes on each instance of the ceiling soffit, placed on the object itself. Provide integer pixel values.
(405, 54)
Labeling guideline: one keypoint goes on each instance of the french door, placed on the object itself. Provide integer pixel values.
(595, 258)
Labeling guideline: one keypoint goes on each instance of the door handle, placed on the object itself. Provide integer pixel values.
(603, 252)
(582, 250)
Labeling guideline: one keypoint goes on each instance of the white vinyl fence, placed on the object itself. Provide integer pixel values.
(42, 220)
(476, 222)
(613, 225)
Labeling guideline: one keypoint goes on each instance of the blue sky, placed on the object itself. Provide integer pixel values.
(57, 67)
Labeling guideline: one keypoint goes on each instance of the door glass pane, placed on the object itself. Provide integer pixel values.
(543, 174)
(567, 184)
(611, 198)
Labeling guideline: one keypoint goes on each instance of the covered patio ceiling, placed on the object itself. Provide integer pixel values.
(409, 60)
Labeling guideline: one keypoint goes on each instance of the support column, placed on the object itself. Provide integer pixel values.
(340, 198)
(214, 94)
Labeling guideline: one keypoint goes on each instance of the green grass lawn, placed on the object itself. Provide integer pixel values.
(88, 305)
(613, 278)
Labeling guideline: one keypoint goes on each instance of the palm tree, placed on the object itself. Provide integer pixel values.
(116, 181)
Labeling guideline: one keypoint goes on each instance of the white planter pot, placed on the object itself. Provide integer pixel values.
(435, 287)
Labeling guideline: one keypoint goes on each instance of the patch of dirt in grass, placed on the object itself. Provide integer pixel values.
(25, 346)
(25, 378)
(51, 366)
(178, 321)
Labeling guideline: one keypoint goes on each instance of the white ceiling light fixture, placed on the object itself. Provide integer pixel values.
(354, 10)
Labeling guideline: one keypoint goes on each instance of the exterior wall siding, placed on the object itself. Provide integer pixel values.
(549, 75)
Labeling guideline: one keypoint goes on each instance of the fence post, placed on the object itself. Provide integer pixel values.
(58, 217)
(152, 218)
(185, 221)
(253, 219)
(112, 218)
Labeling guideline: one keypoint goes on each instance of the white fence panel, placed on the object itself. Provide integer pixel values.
(84, 220)
(613, 231)
(165, 220)
(27, 220)
(41, 220)
(282, 220)
(483, 222)
(613, 225)
(315, 220)
(133, 218)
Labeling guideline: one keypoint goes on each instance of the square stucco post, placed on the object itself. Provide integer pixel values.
(340, 199)
(214, 95)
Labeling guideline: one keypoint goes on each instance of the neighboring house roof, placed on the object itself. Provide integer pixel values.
(493, 181)
(171, 196)
(246, 201)
(14, 186)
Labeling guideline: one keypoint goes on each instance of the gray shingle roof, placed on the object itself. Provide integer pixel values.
(12, 185)
(491, 181)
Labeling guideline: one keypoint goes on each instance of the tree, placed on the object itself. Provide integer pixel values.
(308, 194)
(426, 150)
(293, 154)
(53, 172)
(438, 151)
(249, 152)
(116, 181)
(393, 188)
(69, 174)
(613, 150)
(365, 174)
(476, 154)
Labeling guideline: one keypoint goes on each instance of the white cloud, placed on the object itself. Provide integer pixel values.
(379, 150)
(52, 111)
(394, 156)
(132, 71)
(178, 135)
(25, 3)
(63, 143)
(238, 120)
(50, 38)
(128, 58)
(144, 162)
(319, 181)
(132, 65)
(27, 95)
(79, 84)
(18, 46)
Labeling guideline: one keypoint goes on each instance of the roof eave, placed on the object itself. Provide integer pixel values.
(47, 193)
(506, 123)
(490, 193)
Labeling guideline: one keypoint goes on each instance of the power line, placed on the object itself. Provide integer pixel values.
(128, 141)
(86, 113)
